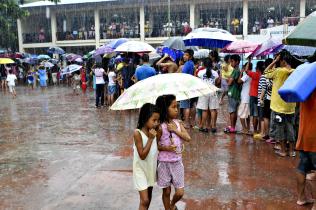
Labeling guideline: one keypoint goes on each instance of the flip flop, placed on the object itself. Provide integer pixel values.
(302, 203)
(278, 152)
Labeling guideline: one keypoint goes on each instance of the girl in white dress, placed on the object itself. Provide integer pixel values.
(145, 154)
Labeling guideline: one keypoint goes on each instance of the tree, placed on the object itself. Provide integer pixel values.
(9, 13)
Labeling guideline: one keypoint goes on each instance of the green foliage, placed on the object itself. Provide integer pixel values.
(9, 13)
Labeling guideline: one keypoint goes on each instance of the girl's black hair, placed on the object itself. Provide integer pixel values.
(226, 58)
(215, 55)
(261, 66)
(145, 113)
(163, 103)
(207, 62)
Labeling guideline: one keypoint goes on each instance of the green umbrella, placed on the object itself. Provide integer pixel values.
(89, 55)
(304, 34)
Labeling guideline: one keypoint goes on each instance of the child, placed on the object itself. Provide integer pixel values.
(11, 83)
(208, 103)
(111, 85)
(145, 153)
(76, 83)
(30, 79)
(42, 77)
(170, 135)
(244, 109)
(83, 80)
(227, 70)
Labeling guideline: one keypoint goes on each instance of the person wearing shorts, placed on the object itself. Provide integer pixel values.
(282, 114)
(11, 78)
(306, 145)
(243, 110)
(111, 86)
(234, 91)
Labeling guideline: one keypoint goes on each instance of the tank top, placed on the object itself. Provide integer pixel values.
(166, 156)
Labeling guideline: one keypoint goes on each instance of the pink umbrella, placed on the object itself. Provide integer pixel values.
(267, 47)
(240, 47)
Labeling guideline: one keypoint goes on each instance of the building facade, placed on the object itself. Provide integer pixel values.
(90, 23)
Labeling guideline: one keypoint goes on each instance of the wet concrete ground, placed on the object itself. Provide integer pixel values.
(58, 152)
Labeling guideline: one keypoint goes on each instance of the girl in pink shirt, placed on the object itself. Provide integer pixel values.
(170, 135)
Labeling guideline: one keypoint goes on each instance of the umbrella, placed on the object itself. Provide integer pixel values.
(72, 57)
(103, 50)
(6, 61)
(79, 60)
(301, 51)
(56, 50)
(30, 60)
(43, 57)
(183, 86)
(70, 69)
(48, 65)
(135, 46)
(115, 43)
(304, 33)
(209, 37)
(240, 47)
(202, 53)
(89, 54)
(174, 43)
(53, 61)
(267, 47)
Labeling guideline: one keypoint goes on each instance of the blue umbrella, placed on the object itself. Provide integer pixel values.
(115, 43)
(43, 57)
(56, 50)
(209, 37)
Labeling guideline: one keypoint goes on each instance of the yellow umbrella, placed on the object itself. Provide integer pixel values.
(6, 61)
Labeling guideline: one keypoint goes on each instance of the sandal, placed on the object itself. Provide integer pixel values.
(204, 130)
(230, 130)
(278, 152)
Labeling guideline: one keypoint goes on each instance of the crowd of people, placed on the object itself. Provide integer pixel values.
(252, 92)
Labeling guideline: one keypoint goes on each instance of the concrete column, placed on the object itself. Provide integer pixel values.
(142, 23)
(20, 36)
(97, 27)
(302, 9)
(228, 21)
(53, 25)
(245, 17)
(192, 15)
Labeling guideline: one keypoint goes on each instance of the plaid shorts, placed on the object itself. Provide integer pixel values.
(170, 173)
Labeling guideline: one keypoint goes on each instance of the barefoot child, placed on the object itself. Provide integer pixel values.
(11, 83)
(170, 135)
(145, 154)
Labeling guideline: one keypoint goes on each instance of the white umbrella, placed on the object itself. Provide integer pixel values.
(70, 69)
(48, 65)
(209, 37)
(79, 60)
(135, 46)
(183, 86)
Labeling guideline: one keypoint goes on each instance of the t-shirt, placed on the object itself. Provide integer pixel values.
(11, 79)
(127, 74)
(227, 70)
(245, 97)
(279, 75)
(99, 76)
(188, 67)
(145, 71)
(211, 80)
(306, 135)
(234, 89)
(264, 85)
(255, 76)
(111, 76)
(42, 74)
